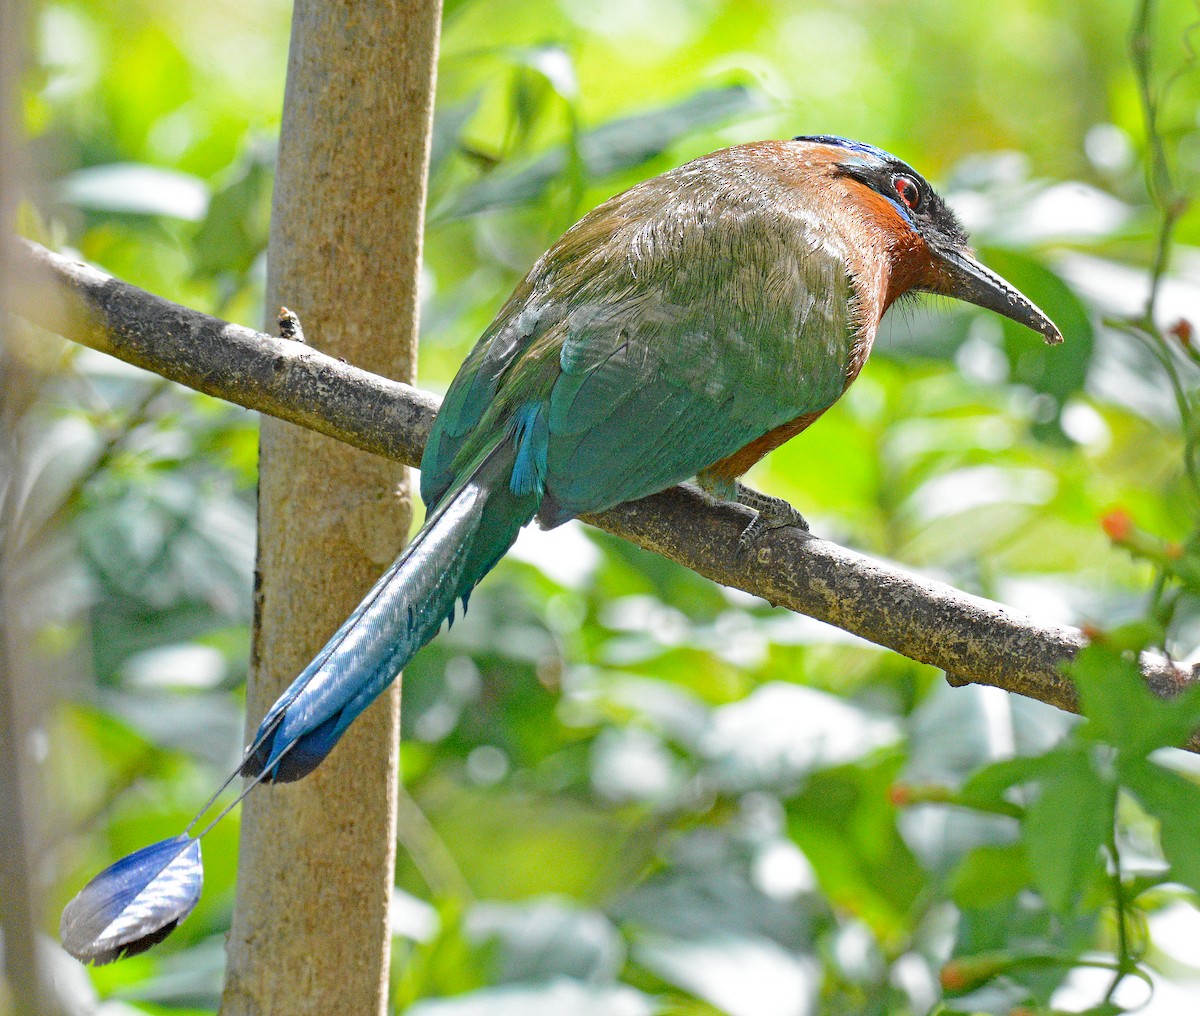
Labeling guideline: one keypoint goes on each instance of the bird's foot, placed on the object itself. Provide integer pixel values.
(773, 513)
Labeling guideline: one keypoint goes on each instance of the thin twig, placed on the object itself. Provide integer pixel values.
(433, 859)
(1158, 168)
(1125, 961)
(1171, 203)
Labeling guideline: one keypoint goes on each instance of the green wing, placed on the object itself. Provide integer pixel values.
(647, 345)
(475, 389)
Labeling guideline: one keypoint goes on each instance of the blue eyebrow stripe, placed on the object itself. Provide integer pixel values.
(847, 143)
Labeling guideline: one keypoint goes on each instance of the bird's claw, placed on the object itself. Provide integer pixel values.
(751, 534)
(773, 513)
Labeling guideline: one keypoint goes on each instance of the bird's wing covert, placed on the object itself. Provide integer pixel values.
(667, 329)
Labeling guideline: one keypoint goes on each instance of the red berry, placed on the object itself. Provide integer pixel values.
(1118, 524)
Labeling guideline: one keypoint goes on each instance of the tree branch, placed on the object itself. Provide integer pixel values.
(279, 377)
(972, 639)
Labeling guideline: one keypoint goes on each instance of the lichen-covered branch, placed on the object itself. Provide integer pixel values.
(279, 377)
(972, 639)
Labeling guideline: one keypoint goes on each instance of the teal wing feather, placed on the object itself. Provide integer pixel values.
(474, 390)
(666, 330)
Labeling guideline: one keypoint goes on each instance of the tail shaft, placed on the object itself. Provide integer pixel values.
(469, 531)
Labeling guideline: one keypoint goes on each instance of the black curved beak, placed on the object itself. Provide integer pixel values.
(968, 280)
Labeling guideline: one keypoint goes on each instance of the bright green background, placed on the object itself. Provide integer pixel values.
(633, 791)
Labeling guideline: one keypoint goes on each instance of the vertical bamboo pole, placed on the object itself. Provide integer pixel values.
(310, 931)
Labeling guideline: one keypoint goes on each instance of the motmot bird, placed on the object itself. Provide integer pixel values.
(685, 327)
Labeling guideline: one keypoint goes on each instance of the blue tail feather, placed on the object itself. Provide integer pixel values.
(469, 531)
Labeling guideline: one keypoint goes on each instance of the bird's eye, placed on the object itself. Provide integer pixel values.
(907, 190)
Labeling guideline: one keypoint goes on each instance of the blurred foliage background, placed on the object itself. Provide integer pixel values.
(629, 791)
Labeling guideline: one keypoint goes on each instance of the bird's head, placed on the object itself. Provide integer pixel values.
(927, 246)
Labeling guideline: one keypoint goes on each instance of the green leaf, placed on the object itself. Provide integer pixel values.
(448, 124)
(1059, 371)
(447, 963)
(1111, 691)
(551, 63)
(621, 144)
(1066, 826)
(989, 875)
(234, 232)
(1175, 801)
(1122, 709)
(845, 824)
(190, 978)
(732, 973)
(986, 788)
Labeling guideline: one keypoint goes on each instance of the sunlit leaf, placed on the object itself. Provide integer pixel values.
(740, 976)
(547, 939)
(709, 891)
(781, 731)
(135, 189)
(207, 726)
(552, 999)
